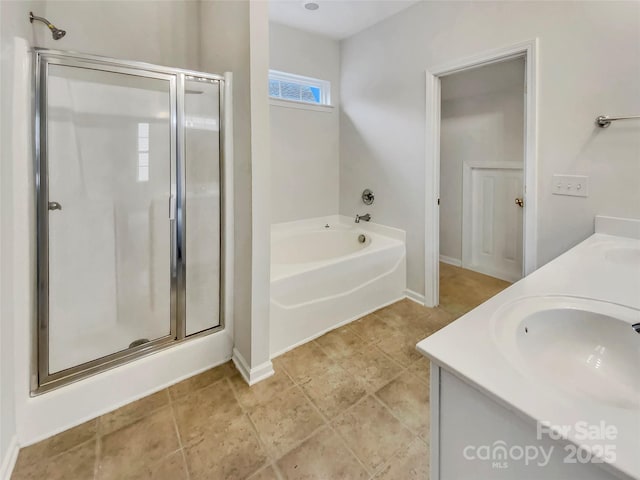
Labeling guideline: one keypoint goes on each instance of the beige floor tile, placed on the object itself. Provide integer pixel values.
(76, 463)
(414, 328)
(285, 421)
(408, 398)
(462, 290)
(373, 367)
(267, 473)
(58, 443)
(252, 396)
(132, 412)
(305, 362)
(403, 308)
(202, 380)
(372, 432)
(421, 369)
(323, 456)
(341, 342)
(215, 404)
(454, 308)
(411, 463)
(335, 391)
(436, 319)
(232, 452)
(401, 347)
(142, 443)
(172, 467)
(371, 328)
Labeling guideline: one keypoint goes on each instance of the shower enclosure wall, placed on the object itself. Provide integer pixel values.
(129, 211)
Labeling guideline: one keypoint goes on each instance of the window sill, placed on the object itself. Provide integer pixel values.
(277, 102)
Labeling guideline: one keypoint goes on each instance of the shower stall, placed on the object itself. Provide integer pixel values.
(130, 218)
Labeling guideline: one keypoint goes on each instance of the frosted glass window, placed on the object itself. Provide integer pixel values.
(288, 86)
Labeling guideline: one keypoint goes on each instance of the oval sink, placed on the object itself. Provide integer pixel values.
(579, 345)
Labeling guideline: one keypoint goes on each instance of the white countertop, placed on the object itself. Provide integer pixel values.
(467, 347)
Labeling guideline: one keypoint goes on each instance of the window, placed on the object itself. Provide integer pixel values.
(287, 86)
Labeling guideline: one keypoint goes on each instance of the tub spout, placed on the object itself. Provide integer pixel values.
(364, 218)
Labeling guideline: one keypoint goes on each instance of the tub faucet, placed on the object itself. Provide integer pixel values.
(364, 218)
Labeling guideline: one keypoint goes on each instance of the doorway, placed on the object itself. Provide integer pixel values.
(480, 166)
(481, 169)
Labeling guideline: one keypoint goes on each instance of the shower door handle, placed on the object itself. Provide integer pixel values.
(55, 206)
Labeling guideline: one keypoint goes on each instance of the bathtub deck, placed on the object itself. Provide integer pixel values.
(350, 404)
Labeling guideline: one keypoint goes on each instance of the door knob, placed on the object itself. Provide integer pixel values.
(55, 206)
(520, 202)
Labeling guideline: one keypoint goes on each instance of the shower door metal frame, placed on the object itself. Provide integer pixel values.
(41, 380)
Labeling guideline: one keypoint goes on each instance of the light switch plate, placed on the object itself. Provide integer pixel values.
(574, 185)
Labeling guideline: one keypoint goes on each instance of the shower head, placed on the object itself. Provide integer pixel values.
(56, 33)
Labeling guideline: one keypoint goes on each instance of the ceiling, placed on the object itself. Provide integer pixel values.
(335, 18)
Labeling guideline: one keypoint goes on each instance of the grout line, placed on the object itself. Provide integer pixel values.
(186, 463)
(316, 430)
(98, 453)
(349, 449)
(247, 415)
(326, 423)
(388, 408)
(177, 430)
(276, 469)
(410, 430)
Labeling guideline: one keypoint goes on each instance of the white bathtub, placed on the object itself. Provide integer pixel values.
(323, 277)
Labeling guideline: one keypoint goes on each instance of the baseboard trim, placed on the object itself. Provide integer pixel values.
(414, 296)
(9, 460)
(255, 374)
(451, 261)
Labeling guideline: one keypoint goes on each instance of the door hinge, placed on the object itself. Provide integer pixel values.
(438, 201)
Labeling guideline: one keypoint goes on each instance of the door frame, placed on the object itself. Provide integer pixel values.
(529, 51)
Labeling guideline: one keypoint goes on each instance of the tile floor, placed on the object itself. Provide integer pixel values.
(352, 404)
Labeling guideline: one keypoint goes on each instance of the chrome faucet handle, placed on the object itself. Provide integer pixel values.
(368, 197)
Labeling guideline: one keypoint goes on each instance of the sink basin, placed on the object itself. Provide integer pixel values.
(584, 347)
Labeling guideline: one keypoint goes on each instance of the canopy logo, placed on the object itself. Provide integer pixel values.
(590, 443)
(500, 454)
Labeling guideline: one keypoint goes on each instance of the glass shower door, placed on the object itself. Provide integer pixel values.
(202, 202)
(110, 200)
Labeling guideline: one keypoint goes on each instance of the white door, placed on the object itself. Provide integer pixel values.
(492, 219)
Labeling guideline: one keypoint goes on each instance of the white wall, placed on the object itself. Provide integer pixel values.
(234, 57)
(257, 366)
(482, 116)
(226, 45)
(160, 32)
(581, 75)
(12, 32)
(304, 142)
